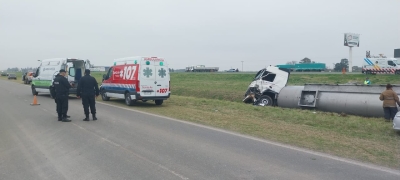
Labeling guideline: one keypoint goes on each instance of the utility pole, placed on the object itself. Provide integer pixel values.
(242, 66)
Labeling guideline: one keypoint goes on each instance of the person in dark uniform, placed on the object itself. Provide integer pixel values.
(88, 89)
(61, 87)
(53, 94)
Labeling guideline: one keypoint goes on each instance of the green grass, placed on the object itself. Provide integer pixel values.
(215, 100)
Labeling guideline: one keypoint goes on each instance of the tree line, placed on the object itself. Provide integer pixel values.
(344, 63)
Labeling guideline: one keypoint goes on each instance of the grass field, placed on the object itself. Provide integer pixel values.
(215, 100)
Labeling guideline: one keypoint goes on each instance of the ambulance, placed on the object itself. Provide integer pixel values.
(380, 65)
(49, 68)
(137, 78)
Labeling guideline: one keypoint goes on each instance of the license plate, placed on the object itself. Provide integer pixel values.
(147, 93)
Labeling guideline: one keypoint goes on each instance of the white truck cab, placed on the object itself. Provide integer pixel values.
(266, 85)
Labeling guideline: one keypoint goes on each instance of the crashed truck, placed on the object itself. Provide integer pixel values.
(269, 88)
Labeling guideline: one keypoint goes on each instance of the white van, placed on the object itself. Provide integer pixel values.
(49, 68)
(137, 78)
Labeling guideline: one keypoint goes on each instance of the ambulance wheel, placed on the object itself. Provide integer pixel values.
(159, 102)
(397, 72)
(368, 72)
(104, 96)
(128, 100)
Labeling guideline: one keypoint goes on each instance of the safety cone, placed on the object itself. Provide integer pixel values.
(34, 101)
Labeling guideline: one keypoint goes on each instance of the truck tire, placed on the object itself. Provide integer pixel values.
(266, 100)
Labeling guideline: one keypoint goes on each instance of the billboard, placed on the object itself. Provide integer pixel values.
(351, 40)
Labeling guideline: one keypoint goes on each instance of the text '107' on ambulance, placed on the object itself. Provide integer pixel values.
(137, 78)
(380, 65)
(49, 68)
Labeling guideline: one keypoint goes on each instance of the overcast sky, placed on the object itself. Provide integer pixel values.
(219, 33)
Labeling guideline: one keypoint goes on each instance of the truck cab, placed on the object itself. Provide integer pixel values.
(266, 85)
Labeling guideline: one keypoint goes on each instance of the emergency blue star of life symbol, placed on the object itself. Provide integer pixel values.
(148, 72)
(162, 72)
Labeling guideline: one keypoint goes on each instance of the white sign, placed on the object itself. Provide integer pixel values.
(351, 40)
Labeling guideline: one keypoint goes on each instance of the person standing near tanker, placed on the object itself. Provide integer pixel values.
(389, 98)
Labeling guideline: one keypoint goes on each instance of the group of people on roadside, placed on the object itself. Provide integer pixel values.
(87, 89)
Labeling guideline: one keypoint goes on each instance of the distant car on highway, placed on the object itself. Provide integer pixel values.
(12, 76)
(4, 74)
(232, 70)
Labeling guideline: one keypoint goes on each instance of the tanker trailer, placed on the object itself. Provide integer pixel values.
(361, 100)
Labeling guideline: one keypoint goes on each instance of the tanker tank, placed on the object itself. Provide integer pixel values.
(361, 100)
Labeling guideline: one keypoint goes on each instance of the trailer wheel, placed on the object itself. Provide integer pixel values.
(265, 101)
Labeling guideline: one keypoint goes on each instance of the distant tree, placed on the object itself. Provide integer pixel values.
(305, 60)
(344, 63)
(291, 62)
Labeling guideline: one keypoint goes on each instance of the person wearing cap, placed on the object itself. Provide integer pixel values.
(88, 89)
(61, 87)
(389, 98)
(367, 81)
(53, 94)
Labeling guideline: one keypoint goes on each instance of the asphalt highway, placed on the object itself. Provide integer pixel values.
(127, 144)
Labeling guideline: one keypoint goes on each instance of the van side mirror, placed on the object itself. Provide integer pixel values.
(104, 77)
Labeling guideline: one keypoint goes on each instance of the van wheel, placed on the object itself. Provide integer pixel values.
(34, 92)
(159, 102)
(265, 101)
(104, 96)
(128, 100)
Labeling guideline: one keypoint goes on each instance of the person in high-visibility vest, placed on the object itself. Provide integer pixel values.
(367, 81)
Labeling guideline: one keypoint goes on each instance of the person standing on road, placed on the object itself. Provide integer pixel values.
(389, 98)
(61, 87)
(53, 94)
(88, 89)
